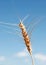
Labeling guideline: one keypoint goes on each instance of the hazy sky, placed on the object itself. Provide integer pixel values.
(12, 47)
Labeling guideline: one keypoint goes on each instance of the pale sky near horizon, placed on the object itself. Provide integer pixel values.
(12, 47)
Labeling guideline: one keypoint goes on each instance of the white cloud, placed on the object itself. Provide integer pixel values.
(2, 58)
(40, 57)
(22, 53)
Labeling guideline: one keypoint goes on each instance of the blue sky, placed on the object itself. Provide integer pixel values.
(12, 47)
